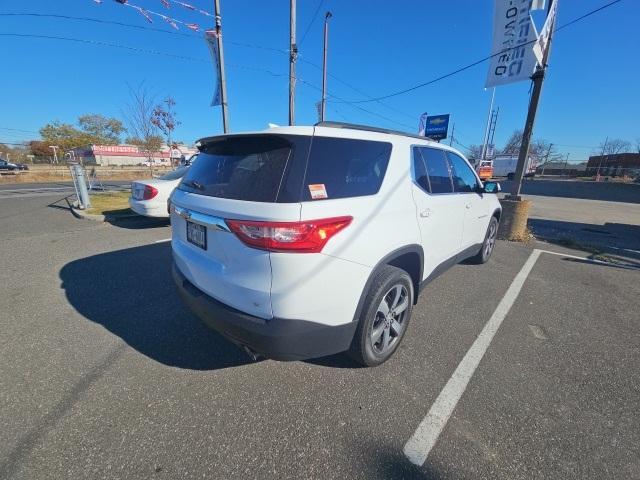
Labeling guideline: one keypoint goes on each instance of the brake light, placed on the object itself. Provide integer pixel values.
(308, 236)
(149, 192)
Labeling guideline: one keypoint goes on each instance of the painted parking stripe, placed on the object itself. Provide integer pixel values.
(426, 435)
(163, 240)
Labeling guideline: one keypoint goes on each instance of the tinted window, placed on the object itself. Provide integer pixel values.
(464, 180)
(420, 171)
(346, 167)
(437, 170)
(241, 167)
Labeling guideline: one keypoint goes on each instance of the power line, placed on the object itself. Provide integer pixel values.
(313, 19)
(196, 36)
(103, 44)
(138, 27)
(478, 62)
(18, 130)
(182, 57)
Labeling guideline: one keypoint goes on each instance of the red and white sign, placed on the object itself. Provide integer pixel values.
(124, 151)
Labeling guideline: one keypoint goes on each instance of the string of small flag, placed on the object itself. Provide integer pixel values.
(173, 22)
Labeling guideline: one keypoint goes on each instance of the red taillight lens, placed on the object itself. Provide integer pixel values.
(309, 236)
(149, 192)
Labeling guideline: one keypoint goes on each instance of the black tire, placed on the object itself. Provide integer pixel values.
(388, 282)
(488, 245)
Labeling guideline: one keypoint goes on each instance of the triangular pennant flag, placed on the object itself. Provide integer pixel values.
(193, 26)
(186, 5)
(144, 13)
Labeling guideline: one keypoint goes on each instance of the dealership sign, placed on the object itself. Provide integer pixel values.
(124, 151)
(514, 35)
(436, 126)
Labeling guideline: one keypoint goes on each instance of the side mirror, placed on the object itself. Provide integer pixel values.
(492, 187)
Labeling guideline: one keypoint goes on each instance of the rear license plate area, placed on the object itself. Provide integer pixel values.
(197, 235)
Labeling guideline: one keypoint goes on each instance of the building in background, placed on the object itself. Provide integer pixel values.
(129, 155)
(614, 165)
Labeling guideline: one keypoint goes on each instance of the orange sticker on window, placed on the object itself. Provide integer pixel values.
(317, 191)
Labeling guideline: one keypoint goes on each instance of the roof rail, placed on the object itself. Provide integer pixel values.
(355, 126)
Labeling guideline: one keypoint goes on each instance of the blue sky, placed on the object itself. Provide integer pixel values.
(377, 46)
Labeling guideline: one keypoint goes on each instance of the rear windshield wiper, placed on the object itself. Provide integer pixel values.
(193, 184)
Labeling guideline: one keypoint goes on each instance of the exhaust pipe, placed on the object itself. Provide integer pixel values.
(252, 355)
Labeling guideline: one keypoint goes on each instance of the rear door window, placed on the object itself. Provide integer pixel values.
(257, 168)
(341, 167)
(437, 170)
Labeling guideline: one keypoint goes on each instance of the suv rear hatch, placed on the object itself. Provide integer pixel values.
(240, 177)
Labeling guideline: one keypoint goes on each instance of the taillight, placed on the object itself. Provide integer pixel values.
(308, 236)
(149, 192)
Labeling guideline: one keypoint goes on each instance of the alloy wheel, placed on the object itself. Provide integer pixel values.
(389, 322)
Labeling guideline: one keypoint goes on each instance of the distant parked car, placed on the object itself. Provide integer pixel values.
(149, 197)
(8, 167)
(22, 166)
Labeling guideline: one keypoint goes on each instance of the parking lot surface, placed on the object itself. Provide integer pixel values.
(104, 373)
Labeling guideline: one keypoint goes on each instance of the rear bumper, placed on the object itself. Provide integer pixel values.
(277, 338)
(149, 209)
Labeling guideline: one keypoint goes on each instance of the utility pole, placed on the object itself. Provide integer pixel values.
(323, 105)
(221, 74)
(453, 130)
(538, 79)
(293, 56)
(546, 158)
(486, 130)
(604, 148)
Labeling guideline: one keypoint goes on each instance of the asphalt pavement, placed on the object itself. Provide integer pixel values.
(28, 190)
(104, 373)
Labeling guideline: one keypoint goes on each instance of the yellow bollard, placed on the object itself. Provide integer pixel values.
(513, 221)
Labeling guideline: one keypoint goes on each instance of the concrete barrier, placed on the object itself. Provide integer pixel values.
(608, 191)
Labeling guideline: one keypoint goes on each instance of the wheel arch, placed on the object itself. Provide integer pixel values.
(409, 258)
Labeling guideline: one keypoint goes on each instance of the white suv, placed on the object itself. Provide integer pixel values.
(300, 242)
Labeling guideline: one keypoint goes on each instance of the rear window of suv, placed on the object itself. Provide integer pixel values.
(280, 168)
(252, 168)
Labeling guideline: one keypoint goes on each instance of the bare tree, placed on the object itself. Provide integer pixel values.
(539, 147)
(138, 114)
(474, 152)
(638, 144)
(164, 117)
(612, 146)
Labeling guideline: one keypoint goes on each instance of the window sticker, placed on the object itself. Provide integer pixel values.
(318, 191)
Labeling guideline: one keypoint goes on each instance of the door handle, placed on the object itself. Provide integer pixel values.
(425, 213)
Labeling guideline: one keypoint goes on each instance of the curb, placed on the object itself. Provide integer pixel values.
(87, 216)
(78, 213)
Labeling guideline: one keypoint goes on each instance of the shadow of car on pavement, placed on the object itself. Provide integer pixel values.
(131, 293)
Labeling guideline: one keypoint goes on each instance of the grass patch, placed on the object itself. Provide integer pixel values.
(116, 203)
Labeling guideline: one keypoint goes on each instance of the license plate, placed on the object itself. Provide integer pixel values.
(197, 234)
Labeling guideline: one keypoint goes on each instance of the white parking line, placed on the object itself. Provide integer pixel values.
(426, 435)
(163, 240)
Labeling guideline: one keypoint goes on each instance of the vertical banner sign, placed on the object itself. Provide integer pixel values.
(422, 125)
(543, 39)
(513, 37)
(211, 37)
